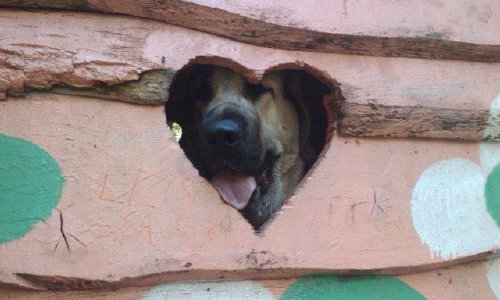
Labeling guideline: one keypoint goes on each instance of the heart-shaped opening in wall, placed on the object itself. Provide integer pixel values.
(253, 138)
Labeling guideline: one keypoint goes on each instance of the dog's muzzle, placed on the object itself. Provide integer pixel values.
(227, 156)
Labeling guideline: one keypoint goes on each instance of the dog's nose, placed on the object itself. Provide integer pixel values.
(223, 133)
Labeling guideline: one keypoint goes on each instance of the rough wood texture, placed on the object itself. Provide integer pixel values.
(61, 283)
(423, 122)
(151, 88)
(258, 32)
(458, 20)
(133, 205)
(397, 97)
(469, 281)
(132, 201)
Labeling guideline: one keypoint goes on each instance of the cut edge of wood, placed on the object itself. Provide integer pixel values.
(151, 88)
(66, 283)
(375, 120)
(251, 31)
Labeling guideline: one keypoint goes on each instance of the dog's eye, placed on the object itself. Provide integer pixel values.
(254, 91)
(202, 95)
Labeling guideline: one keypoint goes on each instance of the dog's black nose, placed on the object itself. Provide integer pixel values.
(222, 133)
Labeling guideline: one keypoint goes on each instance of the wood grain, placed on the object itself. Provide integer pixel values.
(151, 88)
(256, 32)
(416, 122)
(133, 202)
(383, 97)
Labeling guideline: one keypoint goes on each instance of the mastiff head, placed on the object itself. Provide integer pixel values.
(251, 141)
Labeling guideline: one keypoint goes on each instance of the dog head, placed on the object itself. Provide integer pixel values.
(246, 139)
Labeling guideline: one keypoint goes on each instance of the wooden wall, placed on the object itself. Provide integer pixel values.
(98, 199)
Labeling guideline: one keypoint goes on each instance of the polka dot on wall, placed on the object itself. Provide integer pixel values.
(209, 290)
(490, 161)
(449, 210)
(30, 186)
(493, 275)
(492, 194)
(350, 287)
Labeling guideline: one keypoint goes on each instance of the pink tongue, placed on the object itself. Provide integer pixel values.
(235, 187)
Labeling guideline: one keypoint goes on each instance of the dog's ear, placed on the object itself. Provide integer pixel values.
(294, 92)
(190, 85)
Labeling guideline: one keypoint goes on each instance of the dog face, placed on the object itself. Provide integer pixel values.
(246, 139)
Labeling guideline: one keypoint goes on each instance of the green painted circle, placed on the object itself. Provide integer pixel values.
(492, 192)
(350, 287)
(30, 186)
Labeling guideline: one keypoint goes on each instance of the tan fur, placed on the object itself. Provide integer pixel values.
(281, 124)
(281, 131)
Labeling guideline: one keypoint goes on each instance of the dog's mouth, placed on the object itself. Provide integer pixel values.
(235, 187)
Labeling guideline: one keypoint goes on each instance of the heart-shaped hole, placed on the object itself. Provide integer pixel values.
(254, 140)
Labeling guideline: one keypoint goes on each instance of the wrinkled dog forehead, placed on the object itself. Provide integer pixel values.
(223, 79)
(228, 89)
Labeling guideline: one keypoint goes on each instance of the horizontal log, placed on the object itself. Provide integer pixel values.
(257, 32)
(353, 119)
(66, 283)
(151, 88)
(421, 122)
(131, 199)
(448, 20)
(382, 99)
(444, 284)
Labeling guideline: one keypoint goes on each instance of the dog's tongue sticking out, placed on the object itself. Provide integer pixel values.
(235, 187)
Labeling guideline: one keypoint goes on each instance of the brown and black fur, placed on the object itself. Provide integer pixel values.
(274, 141)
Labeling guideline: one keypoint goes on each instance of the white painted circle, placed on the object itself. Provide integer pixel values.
(493, 274)
(205, 290)
(449, 212)
(490, 152)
